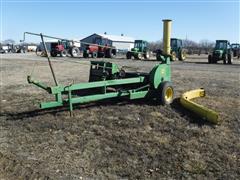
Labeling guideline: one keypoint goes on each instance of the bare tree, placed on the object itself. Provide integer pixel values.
(153, 46)
(9, 41)
(206, 45)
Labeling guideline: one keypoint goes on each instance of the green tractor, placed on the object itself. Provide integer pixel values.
(140, 50)
(222, 51)
(177, 50)
(236, 50)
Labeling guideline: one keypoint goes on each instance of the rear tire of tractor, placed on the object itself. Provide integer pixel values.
(182, 55)
(63, 53)
(54, 53)
(114, 53)
(94, 55)
(173, 56)
(129, 55)
(230, 58)
(38, 52)
(139, 56)
(147, 55)
(166, 93)
(224, 59)
(74, 52)
(110, 53)
(209, 59)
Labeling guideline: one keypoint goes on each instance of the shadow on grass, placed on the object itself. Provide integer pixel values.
(11, 116)
(188, 115)
(176, 106)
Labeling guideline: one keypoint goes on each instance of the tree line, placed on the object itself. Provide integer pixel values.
(202, 47)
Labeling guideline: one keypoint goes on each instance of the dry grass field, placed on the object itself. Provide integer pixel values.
(118, 139)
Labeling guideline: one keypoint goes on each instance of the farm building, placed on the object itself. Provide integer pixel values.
(122, 43)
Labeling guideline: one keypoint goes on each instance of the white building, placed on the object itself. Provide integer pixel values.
(122, 43)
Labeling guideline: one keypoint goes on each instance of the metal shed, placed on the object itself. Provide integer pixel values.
(122, 43)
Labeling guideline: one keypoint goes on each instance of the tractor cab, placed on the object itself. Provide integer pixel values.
(235, 46)
(66, 44)
(222, 45)
(140, 45)
(177, 50)
(236, 50)
(176, 44)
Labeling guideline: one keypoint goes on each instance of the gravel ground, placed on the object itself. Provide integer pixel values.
(118, 139)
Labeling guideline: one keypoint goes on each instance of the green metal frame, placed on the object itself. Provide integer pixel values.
(133, 86)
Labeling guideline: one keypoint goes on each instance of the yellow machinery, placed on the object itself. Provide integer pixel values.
(200, 110)
(166, 36)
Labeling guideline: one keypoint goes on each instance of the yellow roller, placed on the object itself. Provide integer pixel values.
(167, 24)
(202, 111)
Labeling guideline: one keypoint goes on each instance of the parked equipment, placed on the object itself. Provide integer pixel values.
(11, 48)
(236, 50)
(4, 48)
(19, 49)
(102, 48)
(107, 80)
(222, 51)
(63, 48)
(177, 50)
(140, 50)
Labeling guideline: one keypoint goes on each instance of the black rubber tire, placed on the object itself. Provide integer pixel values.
(74, 52)
(110, 53)
(159, 53)
(63, 53)
(54, 53)
(94, 55)
(209, 59)
(146, 55)
(129, 55)
(37, 51)
(230, 58)
(139, 56)
(85, 54)
(164, 89)
(114, 53)
(182, 55)
(224, 59)
(173, 56)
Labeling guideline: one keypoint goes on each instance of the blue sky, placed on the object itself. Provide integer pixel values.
(196, 20)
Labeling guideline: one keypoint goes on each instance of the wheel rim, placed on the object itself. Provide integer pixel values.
(74, 52)
(174, 56)
(184, 55)
(169, 94)
(139, 56)
(147, 55)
